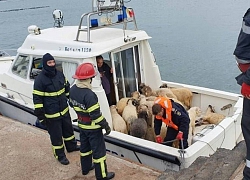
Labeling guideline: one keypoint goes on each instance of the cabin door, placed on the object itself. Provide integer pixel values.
(126, 73)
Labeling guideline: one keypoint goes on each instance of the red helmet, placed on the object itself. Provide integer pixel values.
(85, 71)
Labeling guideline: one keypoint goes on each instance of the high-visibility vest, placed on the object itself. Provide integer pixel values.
(167, 105)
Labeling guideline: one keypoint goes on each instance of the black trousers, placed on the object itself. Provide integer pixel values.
(171, 135)
(61, 132)
(245, 126)
(93, 145)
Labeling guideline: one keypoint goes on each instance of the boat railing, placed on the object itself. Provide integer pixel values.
(88, 28)
(7, 52)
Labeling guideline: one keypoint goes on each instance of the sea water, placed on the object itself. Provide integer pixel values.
(193, 40)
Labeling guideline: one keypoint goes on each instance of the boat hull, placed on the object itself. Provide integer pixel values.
(157, 156)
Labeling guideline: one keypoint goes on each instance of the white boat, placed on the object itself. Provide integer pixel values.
(127, 50)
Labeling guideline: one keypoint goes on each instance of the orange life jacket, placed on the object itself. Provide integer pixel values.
(167, 105)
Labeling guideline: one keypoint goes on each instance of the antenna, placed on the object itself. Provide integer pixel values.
(107, 5)
(58, 17)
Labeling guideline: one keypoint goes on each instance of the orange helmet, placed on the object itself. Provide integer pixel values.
(85, 71)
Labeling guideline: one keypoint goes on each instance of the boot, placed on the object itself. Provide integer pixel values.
(91, 168)
(77, 148)
(110, 175)
(63, 160)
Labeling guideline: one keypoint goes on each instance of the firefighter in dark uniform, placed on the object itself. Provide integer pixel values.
(50, 93)
(175, 117)
(242, 55)
(91, 122)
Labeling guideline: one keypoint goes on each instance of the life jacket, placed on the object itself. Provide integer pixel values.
(167, 105)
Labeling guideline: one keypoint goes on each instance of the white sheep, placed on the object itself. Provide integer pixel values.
(193, 113)
(123, 101)
(211, 117)
(129, 113)
(184, 95)
(118, 122)
(138, 127)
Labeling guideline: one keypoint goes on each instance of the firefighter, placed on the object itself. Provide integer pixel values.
(175, 117)
(50, 96)
(91, 122)
(242, 55)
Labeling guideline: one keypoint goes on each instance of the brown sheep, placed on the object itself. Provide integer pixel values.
(150, 135)
(211, 117)
(184, 95)
(146, 90)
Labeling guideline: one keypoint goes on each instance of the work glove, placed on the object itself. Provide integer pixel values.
(107, 129)
(158, 139)
(245, 90)
(179, 135)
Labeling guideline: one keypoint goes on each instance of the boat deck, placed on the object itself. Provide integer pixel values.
(26, 154)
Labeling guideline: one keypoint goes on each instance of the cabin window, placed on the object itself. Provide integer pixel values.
(127, 71)
(20, 66)
(67, 68)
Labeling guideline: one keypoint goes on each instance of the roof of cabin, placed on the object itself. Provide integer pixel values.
(62, 41)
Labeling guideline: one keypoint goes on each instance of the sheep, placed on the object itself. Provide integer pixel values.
(123, 102)
(143, 99)
(150, 135)
(151, 98)
(211, 117)
(164, 85)
(138, 127)
(129, 113)
(118, 122)
(146, 90)
(184, 95)
(193, 113)
(165, 92)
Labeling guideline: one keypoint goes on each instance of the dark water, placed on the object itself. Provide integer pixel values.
(192, 40)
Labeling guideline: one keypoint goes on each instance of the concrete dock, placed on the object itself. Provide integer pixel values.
(25, 153)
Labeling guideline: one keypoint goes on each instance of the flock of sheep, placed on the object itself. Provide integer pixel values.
(133, 115)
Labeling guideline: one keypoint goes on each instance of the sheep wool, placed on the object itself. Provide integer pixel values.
(118, 122)
(129, 113)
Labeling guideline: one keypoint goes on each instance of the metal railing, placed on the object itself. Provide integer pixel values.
(88, 28)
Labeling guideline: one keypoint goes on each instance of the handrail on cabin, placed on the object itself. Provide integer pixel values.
(89, 28)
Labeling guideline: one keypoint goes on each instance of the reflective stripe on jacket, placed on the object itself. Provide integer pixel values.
(50, 95)
(85, 103)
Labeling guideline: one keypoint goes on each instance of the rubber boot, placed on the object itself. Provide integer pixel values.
(63, 160)
(110, 175)
(91, 168)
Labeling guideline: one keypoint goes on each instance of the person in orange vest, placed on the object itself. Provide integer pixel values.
(176, 119)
